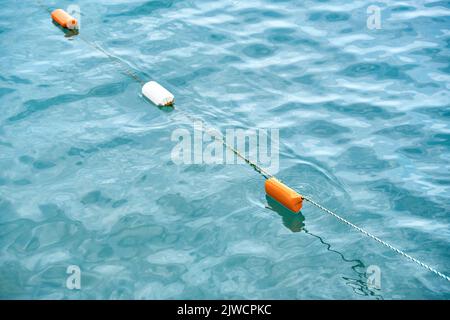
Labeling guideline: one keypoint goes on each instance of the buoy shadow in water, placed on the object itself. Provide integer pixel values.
(162, 108)
(296, 223)
(68, 33)
(291, 220)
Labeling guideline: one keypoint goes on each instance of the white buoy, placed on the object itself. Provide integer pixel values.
(157, 94)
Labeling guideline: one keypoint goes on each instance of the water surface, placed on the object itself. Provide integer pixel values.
(86, 176)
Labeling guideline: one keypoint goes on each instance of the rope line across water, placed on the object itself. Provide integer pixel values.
(126, 69)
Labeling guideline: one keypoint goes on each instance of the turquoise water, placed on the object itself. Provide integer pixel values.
(86, 176)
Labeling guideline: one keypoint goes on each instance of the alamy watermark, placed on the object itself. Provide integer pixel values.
(373, 17)
(75, 11)
(207, 146)
(373, 274)
(73, 281)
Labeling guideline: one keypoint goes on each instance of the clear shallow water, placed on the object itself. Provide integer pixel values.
(86, 175)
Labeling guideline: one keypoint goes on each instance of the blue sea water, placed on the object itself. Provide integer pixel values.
(86, 176)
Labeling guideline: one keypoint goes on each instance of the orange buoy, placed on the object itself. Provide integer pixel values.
(64, 19)
(283, 194)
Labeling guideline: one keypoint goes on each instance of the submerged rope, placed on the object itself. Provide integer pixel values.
(209, 130)
(132, 74)
(117, 61)
(404, 254)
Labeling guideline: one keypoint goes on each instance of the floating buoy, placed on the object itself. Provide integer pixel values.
(283, 194)
(157, 94)
(64, 19)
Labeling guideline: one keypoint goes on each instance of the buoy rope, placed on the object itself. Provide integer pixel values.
(126, 69)
(117, 61)
(368, 234)
(214, 133)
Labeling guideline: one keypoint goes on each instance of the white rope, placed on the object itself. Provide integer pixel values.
(420, 263)
(216, 134)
